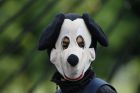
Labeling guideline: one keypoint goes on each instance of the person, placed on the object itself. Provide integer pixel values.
(71, 42)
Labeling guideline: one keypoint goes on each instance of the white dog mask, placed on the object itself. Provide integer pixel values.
(72, 56)
(71, 40)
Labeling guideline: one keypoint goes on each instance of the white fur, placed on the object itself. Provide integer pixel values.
(86, 55)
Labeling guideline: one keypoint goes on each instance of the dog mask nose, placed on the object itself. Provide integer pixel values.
(73, 60)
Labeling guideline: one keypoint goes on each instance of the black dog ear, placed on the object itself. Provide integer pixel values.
(95, 30)
(49, 36)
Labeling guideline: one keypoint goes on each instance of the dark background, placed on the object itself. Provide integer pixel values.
(24, 69)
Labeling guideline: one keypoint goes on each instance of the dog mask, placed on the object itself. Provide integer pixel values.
(71, 41)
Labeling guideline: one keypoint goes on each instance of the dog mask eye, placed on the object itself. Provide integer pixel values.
(65, 42)
(80, 41)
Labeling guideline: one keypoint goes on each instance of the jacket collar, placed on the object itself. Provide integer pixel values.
(73, 86)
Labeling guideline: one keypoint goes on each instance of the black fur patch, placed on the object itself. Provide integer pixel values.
(51, 33)
(72, 16)
(96, 31)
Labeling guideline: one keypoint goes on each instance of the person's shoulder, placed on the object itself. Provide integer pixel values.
(98, 85)
(106, 89)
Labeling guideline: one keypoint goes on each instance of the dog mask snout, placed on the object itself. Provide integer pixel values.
(73, 60)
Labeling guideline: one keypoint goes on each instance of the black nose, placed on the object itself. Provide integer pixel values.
(73, 60)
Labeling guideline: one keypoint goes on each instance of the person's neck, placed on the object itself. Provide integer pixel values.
(67, 86)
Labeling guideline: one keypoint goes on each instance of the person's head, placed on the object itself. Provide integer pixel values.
(71, 42)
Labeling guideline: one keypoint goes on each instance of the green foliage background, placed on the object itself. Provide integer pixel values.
(24, 69)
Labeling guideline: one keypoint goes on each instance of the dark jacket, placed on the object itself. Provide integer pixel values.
(87, 84)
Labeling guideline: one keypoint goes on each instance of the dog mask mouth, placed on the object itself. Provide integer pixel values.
(72, 56)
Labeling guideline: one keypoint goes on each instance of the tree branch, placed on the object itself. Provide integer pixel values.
(18, 14)
(28, 28)
(2, 2)
(22, 69)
